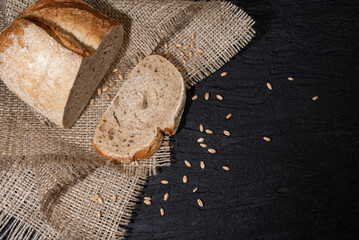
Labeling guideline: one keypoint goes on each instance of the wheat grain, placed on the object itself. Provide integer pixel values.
(164, 182)
(211, 150)
(219, 97)
(225, 168)
(223, 74)
(267, 139)
(206, 96)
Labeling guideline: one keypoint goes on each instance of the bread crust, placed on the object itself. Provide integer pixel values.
(72, 16)
(142, 154)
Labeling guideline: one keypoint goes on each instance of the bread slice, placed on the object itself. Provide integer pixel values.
(149, 103)
(55, 54)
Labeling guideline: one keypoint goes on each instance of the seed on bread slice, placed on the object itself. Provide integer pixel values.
(149, 104)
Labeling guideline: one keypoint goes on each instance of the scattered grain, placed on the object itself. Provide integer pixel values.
(200, 140)
(211, 150)
(120, 76)
(203, 145)
(225, 168)
(229, 116)
(99, 214)
(147, 202)
(226, 132)
(223, 74)
(165, 44)
(269, 86)
(188, 164)
(100, 200)
(193, 37)
(190, 53)
(105, 89)
(192, 44)
(92, 101)
(178, 45)
(115, 70)
(201, 128)
(108, 97)
(206, 96)
(185, 179)
(111, 84)
(95, 197)
(181, 53)
(200, 203)
(185, 47)
(166, 196)
(267, 139)
(147, 198)
(200, 51)
(99, 91)
(162, 211)
(219, 97)
(315, 98)
(194, 97)
(202, 165)
(128, 75)
(164, 182)
(209, 131)
(114, 198)
(195, 190)
(291, 79)
(183, 60)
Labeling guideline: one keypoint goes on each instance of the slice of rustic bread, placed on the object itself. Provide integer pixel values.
(148, 104)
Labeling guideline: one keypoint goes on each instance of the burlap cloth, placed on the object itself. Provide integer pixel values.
(48, 176)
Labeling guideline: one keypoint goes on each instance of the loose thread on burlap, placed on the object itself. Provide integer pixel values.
(14, 228)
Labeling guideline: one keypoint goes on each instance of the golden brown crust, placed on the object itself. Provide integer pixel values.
(72, 17)
(147, 152)
(142, 154)
(63, 39)
(169, 130)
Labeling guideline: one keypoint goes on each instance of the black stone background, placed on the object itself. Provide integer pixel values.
(304, 183)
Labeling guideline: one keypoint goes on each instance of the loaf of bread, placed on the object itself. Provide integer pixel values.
(149, 103)
(54, 55)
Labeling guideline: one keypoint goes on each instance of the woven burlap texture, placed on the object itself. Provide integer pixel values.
(50, 175)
